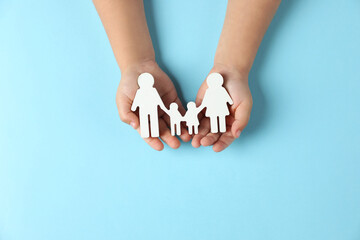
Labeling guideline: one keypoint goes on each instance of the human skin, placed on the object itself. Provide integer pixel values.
(125, 24)
(244, 27)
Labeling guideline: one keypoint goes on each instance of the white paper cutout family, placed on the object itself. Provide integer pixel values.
(215, 100)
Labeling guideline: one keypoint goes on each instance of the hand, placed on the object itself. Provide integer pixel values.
(236, 83)
(126, 93)
(165, 110)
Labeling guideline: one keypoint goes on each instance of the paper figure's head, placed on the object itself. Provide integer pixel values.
(174, 106)
(145, 80)
(214, 80)
(191, 105)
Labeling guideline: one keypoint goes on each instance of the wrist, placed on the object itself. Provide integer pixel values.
(233, 58)
(225, 69)
(242, 68)
(140, 65)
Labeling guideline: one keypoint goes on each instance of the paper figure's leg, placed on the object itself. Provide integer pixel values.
(190, 129)
(154, 125)
(172, 127)
(178, 129)
(214, 124)
(144, 125)
(222, 124)
(196, 129)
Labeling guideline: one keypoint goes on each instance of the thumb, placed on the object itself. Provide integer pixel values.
(201, 93)
(125, 113)
(242, 116)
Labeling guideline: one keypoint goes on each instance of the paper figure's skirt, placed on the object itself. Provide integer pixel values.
(194, 123)
(212, 112)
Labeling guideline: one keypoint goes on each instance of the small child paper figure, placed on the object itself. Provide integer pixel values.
(175, 119)
(191, 118)
(148, 99)
(215, 100)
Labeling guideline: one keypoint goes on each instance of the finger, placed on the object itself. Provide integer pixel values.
(224, 141)
(242, 116)
(203, 130)
(185, 136)
(201, 115)
(200, 94)
(166, 136)
(229, 122)
(153, 142)
(210, 139)
(125, 113)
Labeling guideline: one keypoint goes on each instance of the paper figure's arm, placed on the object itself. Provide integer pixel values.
(200, 108)
(160, 103)
(135, 103)
(181, 117)
(228, 98)
(203, 103)
(186, 117)
(126, 27)
(162, 106)
(244, 27)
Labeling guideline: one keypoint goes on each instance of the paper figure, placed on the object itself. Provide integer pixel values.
(148, 99)
(215, 100)
(191, 118)
(175, 119)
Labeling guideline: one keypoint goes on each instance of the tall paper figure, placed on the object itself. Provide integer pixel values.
(148, 99)
(215, 100)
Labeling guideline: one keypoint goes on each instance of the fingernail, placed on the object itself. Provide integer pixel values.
(238, 133)
(132, 124)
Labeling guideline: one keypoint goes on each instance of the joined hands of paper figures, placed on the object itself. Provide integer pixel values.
(147, 99)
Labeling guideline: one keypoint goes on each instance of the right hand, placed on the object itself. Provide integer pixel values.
(237, 86)
(126, 93)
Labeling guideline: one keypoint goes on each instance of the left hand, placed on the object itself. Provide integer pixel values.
(126, 93)
(236, 83)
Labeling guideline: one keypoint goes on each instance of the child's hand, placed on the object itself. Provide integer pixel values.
(126, 93)
(237, 86)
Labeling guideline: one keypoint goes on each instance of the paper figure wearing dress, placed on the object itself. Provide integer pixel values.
(215, 100)
(191, 118)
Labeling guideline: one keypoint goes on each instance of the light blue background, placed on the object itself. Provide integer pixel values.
(69, 169)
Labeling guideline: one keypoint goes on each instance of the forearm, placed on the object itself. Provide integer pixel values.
(125, 24)
(245, 24)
